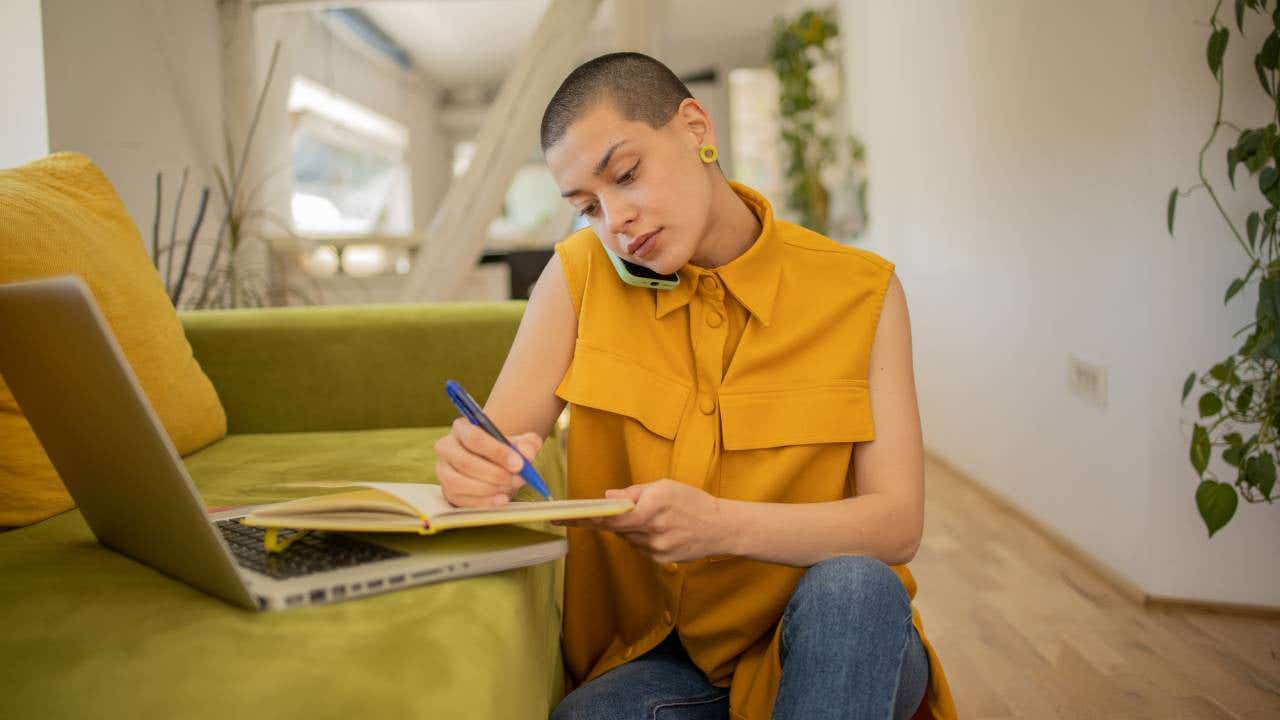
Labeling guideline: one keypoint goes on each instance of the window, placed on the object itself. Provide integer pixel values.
(349, 171)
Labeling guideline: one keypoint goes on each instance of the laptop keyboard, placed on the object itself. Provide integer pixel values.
(313, 553)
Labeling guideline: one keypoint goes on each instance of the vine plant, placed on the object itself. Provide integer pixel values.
(798, 45)
(1241, 394)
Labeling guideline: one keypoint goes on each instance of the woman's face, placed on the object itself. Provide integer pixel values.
(631, 180)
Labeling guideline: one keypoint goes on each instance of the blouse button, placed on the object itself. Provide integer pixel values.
(707, 405)
(709, 284)
(713, 319)
(671, 567)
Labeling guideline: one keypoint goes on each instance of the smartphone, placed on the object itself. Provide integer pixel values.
(639, 275)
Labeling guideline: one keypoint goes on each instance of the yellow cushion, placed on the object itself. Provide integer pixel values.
(61, 215)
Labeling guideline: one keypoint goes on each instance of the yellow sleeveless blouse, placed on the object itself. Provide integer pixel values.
(748, 381)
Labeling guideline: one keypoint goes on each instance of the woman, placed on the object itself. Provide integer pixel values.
(761, 415)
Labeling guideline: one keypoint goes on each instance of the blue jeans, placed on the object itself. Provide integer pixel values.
(848, 650)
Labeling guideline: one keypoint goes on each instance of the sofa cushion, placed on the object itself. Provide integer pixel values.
(61, 215)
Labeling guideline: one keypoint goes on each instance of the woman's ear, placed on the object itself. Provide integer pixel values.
(695, 119)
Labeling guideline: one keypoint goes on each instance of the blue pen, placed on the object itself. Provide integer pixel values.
(471, 411)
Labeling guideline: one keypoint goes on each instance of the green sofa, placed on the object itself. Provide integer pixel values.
(310, 393)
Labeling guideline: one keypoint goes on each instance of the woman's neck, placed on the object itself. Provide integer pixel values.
(731, 228)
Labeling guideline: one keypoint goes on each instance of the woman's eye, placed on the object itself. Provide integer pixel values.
(629, 175)
(589, 210)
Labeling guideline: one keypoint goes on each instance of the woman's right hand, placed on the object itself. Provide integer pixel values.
(476, 470)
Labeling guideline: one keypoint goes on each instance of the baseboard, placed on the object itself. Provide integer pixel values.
(1267, 612)
(1122, 584)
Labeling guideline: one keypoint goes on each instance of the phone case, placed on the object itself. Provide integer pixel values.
(631, 278)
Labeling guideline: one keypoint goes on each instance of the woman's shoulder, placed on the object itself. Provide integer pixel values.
(581, 243)
(578, 254)
(809, 247)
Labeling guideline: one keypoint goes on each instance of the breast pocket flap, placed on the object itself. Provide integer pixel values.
(611, 382)
(830, 412)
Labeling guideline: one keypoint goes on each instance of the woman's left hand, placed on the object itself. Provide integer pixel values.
(671, 522)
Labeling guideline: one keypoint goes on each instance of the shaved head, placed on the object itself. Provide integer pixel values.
(639, 87)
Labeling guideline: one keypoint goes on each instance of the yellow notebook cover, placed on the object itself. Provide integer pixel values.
(413, 508)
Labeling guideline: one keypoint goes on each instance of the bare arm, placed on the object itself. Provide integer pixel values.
(886, 518)
(524, 396)
(476, 470)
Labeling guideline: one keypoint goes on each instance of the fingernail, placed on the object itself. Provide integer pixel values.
(500, 499)
(515, 463)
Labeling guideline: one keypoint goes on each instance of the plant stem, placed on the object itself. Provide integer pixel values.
(1217, 123)
(155, 224)
(191, 241)
(173, 230)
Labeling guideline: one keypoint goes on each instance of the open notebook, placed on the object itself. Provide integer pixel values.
(413, 507)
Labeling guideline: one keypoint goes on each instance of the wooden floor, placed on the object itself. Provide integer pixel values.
(1026, 630)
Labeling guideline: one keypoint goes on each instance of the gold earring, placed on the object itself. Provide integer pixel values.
(708, 154)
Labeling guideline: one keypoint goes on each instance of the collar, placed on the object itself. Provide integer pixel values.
(752, 277)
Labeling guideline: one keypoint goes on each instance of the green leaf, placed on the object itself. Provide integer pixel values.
(1186, 386)
(1269, 294)
(1173, 204)
(1262, 76)
(1252, 226)
(1233, 455)
(1269, 56)
(1220, 372)
(1217, 47)
(1199, 449)
(1235, 288)
(1232, 161)
(1252, 267)
(1217, 503)
(1252, 141)
(1267, 178)
(1240, 16)
(1244, 399)
(1250, 345)
(1260, 472)
(1210, 404)
(1268, 315)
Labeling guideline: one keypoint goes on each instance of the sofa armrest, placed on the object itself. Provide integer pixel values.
(332, 368)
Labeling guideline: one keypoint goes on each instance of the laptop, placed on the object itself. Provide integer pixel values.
(76, 388)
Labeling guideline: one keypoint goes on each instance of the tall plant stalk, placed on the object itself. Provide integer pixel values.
(232, 224)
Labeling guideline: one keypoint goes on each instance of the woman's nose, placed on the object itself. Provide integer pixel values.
(617, 217)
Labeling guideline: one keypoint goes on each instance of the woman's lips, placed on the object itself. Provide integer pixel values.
(643, 245)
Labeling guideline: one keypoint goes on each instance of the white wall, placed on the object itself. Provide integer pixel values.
(1020, 156)
(137, 86)
(24, 134)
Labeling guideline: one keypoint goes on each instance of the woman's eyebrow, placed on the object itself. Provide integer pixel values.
(599, 168)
